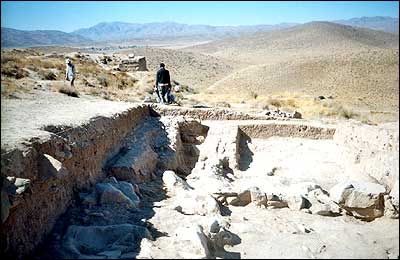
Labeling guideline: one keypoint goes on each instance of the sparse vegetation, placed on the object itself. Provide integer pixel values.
(103, 80)
(223, 104)
(13, 71)
(69, 91)
(47, 75)
(253, 94)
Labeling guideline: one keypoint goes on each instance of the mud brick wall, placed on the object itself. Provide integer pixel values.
(79, 155)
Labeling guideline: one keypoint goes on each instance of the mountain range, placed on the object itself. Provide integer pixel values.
(380, 23)
(120, 31)
(18, 38)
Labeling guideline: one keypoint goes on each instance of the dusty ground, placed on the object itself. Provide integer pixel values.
(24, 116)
(273, 165)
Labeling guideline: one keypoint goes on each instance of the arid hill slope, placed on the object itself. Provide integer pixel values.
(193, 69)
(314, 37)
(358, 67)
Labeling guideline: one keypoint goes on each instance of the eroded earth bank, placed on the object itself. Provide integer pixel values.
(148, 181)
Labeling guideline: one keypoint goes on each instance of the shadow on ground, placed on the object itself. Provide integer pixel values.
(246, 155)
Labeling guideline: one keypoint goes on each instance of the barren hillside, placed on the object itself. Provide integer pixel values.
(193, 69)
(314, 37)
(358, 67)
(366, 78)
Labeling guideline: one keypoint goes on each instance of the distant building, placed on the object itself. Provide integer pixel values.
(133, 63)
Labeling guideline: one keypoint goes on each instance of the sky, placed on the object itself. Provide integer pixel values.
(68, 16)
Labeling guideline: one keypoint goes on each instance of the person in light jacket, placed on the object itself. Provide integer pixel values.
(70, 72)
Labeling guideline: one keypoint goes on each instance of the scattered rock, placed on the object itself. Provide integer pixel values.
(394, 195)
(214, 226)
(191, 242)
(222, 238)
(362, 199)
(192, 203)
(321, 204)
(174, 182)
(110, 241)
(49, 167)
(275, 201)
(88, 199)
(258, 197)
(303, 229)
(278, 113)
(272, 172)
(148, 100)
(109, 194)
(128, 190)
(111, 179)
(390, 210)
(303, 188)
(243, 198)
(297, 202)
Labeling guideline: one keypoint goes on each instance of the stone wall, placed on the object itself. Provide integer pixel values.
(137, 63)
(288, 129)
(371, 152)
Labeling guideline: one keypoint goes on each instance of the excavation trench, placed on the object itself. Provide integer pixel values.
(97, 190)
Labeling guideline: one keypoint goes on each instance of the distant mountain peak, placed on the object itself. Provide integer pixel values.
(121, 31)
(19, 38)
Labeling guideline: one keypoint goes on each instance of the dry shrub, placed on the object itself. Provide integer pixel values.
(47, 75)
(124, 81)
(336, 109)
(223, 104)
(95, 91)
(69, 91)
(347, 113)
(103, 80)
(108, 96)
(87, 68)
(13, 71)
(253, 94)
(272, 102)
(7, 58)
(290, 102)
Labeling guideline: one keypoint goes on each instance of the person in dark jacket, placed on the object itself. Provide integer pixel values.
(163, 84)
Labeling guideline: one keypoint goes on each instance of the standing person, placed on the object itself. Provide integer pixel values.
(163, 83)
(70, 72)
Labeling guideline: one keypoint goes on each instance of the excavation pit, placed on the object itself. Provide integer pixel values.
(237, 191)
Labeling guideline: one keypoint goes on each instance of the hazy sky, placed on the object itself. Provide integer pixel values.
(68, 16)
